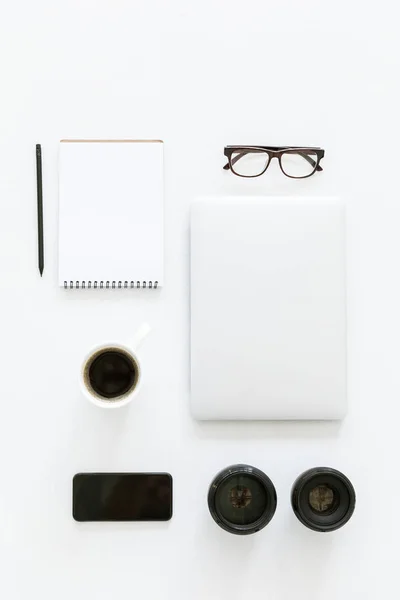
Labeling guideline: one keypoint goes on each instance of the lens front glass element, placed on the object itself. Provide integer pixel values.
(322, 498)
(241, 499)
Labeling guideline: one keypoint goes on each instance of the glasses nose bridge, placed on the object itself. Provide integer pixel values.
(273, 154)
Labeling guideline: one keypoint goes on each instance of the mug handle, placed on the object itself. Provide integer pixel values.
(139, 336)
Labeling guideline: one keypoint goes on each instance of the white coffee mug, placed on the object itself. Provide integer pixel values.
(130, 352)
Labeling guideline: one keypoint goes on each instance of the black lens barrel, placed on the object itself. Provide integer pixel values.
(323, 499)
(242, 499)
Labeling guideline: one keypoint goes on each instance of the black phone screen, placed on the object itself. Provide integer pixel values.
(122, 497)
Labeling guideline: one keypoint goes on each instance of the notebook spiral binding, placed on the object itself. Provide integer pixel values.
(110, 284)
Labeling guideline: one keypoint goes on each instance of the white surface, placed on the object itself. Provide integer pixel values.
(111, 213)
(197, 75)
(268, 308)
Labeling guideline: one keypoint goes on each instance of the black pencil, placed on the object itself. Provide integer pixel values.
(40, 207)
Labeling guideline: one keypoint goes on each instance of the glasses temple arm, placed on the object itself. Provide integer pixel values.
(234, 160)
(311, 161)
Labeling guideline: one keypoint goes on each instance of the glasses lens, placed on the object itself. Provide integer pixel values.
(299, 163)
(249, 163)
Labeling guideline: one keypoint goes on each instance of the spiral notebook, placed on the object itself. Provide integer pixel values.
(111, 214)
(268, 308)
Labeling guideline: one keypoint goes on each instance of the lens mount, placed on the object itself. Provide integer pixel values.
(323, 499)
(242, 499)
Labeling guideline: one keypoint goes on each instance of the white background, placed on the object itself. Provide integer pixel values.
(198, 75)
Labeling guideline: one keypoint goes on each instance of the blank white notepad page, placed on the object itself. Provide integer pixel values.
(268, 322)
(111, 213)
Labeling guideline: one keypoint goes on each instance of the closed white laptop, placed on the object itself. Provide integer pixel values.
(268, 308)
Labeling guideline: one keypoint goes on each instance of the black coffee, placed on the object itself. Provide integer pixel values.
(111, 373)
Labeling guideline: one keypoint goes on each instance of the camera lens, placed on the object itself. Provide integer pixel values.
(323, 499)
(242, 499)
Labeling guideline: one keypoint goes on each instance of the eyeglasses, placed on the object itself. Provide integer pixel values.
(252, 161)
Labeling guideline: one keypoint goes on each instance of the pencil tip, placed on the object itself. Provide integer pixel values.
(41, 272)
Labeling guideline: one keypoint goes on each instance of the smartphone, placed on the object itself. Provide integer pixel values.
(122, 497)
